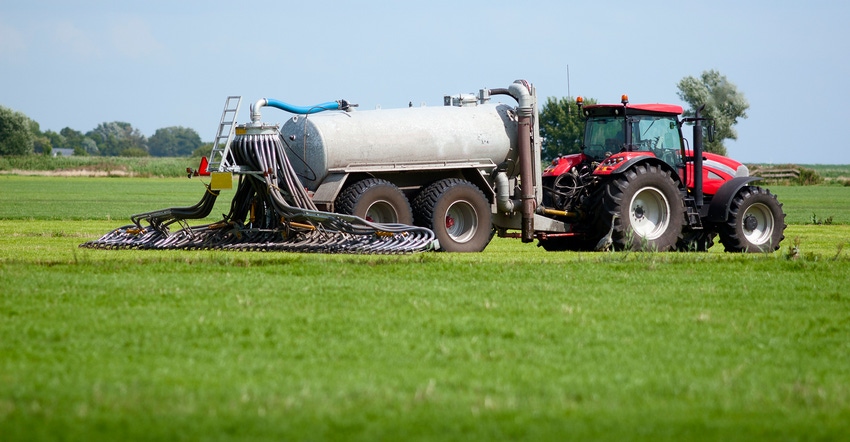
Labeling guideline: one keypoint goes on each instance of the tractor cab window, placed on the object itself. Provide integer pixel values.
(659, 135)
(603, 136)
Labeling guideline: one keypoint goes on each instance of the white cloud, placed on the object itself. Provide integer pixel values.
(74, 42)
(133, 39)
(12, 42)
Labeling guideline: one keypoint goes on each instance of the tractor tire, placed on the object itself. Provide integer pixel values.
(375, 200)
(643, 210)
(756, 222)
(458, 213)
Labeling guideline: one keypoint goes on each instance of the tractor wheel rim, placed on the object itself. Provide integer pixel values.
(757, 224)
(381, 212)
(461, 221)
(649, 213)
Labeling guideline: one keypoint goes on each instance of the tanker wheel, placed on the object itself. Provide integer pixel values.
(756, 222)
(458, 213)
(644, 210)
(375, 200)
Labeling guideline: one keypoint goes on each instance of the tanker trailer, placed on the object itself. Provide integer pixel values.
(333, 180)
(454, 169)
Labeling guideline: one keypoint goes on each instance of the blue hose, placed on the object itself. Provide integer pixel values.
(330, 105)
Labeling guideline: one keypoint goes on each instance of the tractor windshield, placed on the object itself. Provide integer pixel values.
(605, 135)
(659, 135)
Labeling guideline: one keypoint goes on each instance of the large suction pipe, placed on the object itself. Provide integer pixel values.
(302, 110)
(521, 91)
(503, 196)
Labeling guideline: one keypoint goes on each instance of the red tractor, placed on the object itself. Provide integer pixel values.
(638, 185)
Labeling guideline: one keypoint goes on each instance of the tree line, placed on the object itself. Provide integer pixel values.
(561, 127)
(20, 135)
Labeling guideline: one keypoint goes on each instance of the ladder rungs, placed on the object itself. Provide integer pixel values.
(221, 145)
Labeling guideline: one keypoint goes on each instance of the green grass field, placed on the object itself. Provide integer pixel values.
(510, 344)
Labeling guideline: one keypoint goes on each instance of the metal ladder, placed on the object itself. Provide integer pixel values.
(219, 161)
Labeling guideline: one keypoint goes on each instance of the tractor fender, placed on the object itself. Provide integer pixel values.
(641, 159)
(718, 210)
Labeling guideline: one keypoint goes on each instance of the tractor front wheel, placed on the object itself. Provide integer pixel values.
(756, 222)
(643, 210)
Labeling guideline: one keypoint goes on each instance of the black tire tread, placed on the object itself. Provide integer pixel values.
(426, 202)
(729, 237)
(347, 200)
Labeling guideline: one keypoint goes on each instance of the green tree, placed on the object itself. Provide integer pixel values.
(174, 141)
(723, 103)
(41, 142)
(203, 150)
(118, 138)
(81, 144)
(561, 127)
(16, 137)
(87, 147)
(55, 138)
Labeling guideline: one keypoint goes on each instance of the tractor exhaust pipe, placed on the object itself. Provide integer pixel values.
(698, 195)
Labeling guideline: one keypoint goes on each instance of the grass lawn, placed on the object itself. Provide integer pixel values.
(510, 344)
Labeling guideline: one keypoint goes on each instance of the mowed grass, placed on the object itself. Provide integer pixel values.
(510, 344)
(79, 198)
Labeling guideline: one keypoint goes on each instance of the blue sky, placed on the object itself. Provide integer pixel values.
(172, 63)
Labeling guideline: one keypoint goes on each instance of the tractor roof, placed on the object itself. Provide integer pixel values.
(612, 109)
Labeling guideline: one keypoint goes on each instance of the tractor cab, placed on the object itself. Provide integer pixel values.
(651, 128)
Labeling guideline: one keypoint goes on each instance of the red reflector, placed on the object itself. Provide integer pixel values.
(203, 169)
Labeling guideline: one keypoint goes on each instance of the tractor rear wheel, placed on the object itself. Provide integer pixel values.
(643, 210)
(756, 222)
(458, 213)
(375, 200)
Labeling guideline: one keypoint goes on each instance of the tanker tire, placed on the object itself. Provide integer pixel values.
(458, 213)
(375, 200)
(756, 222)
(649, 210)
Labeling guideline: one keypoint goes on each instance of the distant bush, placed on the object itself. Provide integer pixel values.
(809, 177)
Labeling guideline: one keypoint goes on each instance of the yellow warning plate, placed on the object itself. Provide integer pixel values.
(221, 180)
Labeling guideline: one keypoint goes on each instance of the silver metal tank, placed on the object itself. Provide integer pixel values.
(419, 138)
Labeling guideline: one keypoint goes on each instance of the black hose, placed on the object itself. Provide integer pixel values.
(285, 217)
